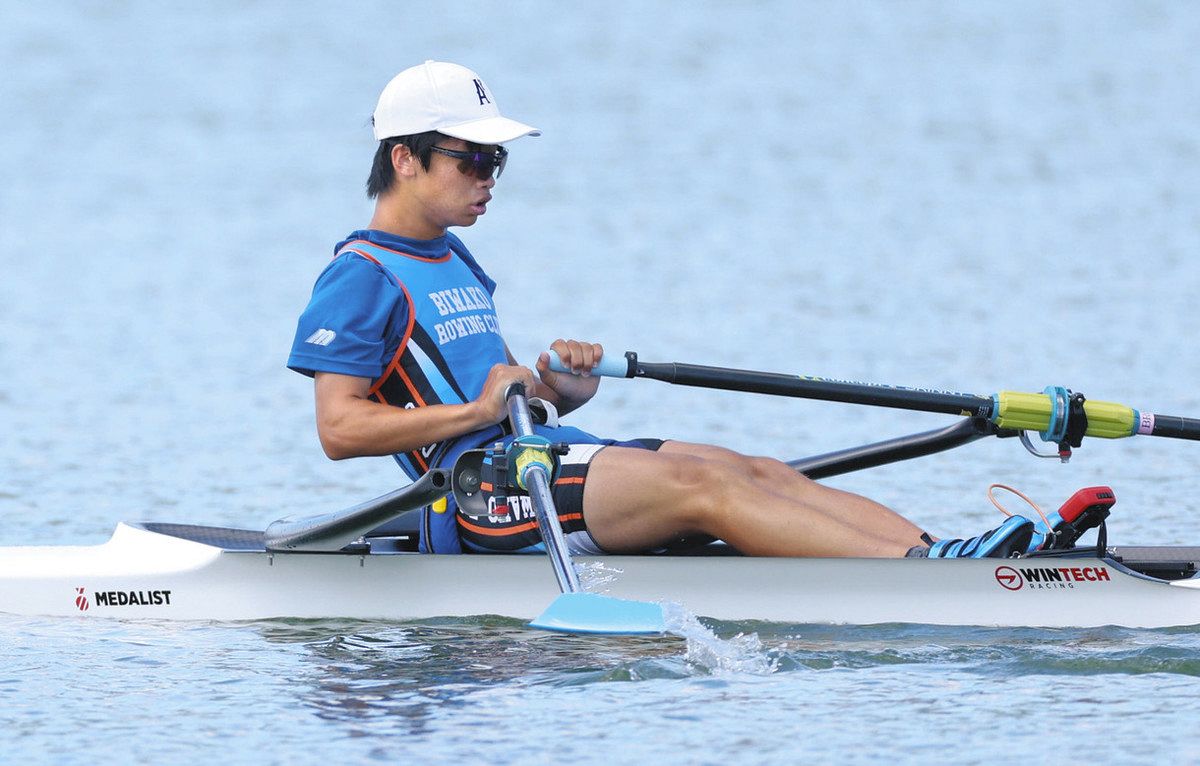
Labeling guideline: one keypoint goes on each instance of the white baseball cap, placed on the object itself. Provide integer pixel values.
(448, 98)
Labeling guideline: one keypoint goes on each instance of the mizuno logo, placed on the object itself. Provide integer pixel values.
(321, 337)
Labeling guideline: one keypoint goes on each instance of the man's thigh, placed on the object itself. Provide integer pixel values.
(635, 500)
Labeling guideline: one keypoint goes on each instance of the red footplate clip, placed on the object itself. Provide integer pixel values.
(1084, 510)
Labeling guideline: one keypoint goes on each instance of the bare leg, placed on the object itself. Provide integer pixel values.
(856, 510)
(636, 499)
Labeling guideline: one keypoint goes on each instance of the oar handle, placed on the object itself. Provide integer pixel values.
(518, 409)
(610, 365)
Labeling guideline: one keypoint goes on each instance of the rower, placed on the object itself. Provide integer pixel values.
(403, 340)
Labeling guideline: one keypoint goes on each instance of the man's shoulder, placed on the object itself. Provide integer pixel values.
(351, 282)
(353, 265)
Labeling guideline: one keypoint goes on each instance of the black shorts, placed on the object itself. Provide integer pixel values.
(517, 532)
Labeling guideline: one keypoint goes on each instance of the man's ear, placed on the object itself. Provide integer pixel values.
(404, 162)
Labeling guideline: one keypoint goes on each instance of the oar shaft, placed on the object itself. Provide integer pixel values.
(728, 379)
(1008, 410)
(334, 531)
(552, 535)
(519, 416)
(1171, 426)
(537, 484)
(779, 384)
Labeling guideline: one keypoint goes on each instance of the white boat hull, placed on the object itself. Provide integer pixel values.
(143, 574)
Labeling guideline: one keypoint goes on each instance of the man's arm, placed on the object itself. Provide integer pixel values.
(351, 425)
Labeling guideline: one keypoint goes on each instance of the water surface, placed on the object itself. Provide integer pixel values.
(973, 197)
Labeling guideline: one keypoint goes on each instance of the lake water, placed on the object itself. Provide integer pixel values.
(973, 197)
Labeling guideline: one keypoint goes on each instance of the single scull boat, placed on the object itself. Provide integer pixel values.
(362, 563)
(182, 572)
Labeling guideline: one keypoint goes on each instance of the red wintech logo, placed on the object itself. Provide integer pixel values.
(81, 600)
(1051, 578)
(1009, 578)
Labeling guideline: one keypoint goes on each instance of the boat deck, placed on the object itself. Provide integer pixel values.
(225, 538)
(1159, 562)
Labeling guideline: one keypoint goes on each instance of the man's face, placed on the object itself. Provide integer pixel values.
(449, 196)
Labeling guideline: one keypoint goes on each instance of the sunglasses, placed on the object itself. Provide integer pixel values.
(478, 164)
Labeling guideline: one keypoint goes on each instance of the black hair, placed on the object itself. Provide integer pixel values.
(382, 172)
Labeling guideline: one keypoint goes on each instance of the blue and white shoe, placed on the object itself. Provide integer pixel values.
(1013, 536)
(1041, 538)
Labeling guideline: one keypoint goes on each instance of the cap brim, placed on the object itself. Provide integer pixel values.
(490, 130)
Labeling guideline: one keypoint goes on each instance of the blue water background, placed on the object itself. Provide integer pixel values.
(966, 196)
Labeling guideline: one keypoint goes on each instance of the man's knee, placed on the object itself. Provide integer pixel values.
(750, 467)
(700, 488)
(769, 469)
(755, 468)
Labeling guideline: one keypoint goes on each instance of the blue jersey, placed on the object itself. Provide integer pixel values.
(416, 318)
(358, 312)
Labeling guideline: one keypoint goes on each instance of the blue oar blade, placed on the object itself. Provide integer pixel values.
(593, 613)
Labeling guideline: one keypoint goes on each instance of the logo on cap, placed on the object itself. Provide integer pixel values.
(479, 91)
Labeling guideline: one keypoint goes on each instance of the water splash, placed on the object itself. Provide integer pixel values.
(596, 576)
(742, 654)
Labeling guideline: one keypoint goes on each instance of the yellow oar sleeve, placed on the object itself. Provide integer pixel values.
(1032, 412)
(1110, 420)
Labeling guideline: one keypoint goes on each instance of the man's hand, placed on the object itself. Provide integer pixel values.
(491, 405)
(579, 385)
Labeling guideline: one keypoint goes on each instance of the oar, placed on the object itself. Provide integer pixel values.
(334, 531)
(575, 611)
(1057, 413)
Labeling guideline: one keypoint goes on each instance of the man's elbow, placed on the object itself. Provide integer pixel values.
(335, 445)
(334, 453)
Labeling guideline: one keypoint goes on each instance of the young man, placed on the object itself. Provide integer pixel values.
(403, 341)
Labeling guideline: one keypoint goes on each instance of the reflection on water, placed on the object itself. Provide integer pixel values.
(413, 674)
(366, 688)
